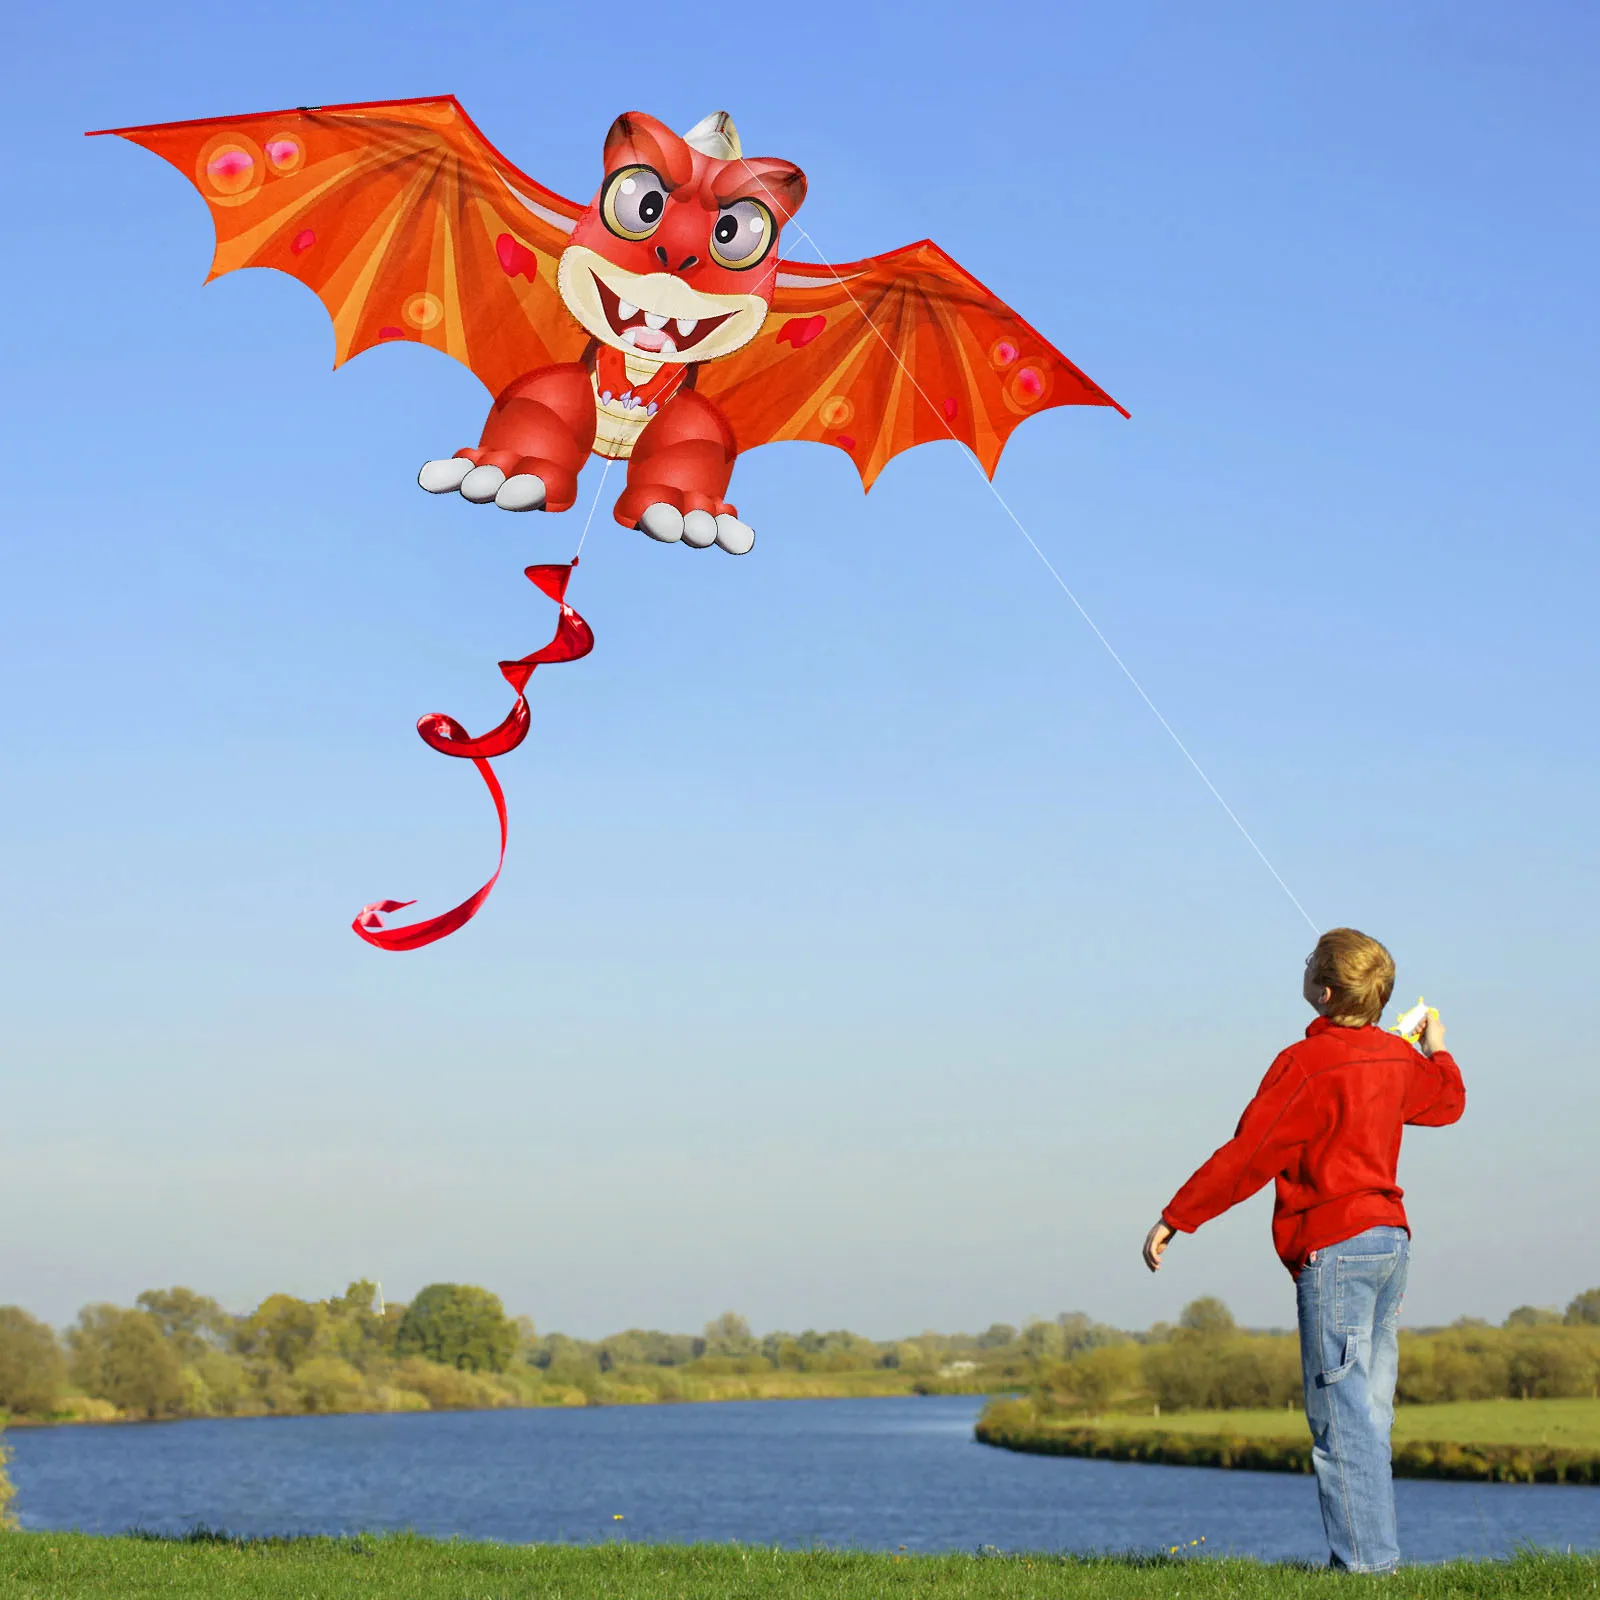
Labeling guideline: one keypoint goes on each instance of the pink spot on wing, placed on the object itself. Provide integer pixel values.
(801, 330)
(516, 260)
(952, 409)
(1030, 383)
(391, 333)
(846, 441)
(231, 164)
(302, 241)
(280, 151)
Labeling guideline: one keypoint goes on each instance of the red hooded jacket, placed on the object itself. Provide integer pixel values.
(1326, 1124)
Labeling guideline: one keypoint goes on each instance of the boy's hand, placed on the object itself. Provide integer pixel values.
(1155, 1245)
(1432, 1036)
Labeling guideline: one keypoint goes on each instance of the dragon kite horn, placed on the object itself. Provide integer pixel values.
(715, 136)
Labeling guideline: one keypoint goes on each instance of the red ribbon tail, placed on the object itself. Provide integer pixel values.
(572, 640)
(414, 935)
(447, 736)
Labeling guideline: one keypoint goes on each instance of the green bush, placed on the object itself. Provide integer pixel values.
(1520, 1362)
(1552, 1363)
(449, 1388)
(1223, 1372)
(458, 1325)
(32, 1368)
(121, 1356)
(325, 1383)
(7, 1492)
(1585, 1309)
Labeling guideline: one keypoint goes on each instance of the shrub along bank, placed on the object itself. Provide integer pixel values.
(7, 1492)
(1208, 1364)
(1016, 1425)
(1207, 1371)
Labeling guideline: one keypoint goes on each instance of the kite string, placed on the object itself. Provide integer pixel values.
(599, 489)
(1049, 566)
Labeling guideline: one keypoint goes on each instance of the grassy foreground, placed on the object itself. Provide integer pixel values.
(404, 1567)
(1509, 1441)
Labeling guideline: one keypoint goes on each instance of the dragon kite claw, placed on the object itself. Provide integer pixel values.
(524, 492)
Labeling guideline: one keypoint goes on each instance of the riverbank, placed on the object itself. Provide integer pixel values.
(1499, 1441)
(42, 1566)
(660, 1386)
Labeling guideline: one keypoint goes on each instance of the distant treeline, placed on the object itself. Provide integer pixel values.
(1206, 1363)
(177, 1353)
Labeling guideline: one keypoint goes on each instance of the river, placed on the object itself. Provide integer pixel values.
(877, 1474)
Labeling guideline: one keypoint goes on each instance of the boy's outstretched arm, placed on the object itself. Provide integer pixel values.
(1256, 1151)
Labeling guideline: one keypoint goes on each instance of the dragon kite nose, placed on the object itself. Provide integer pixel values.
(680, 241)
(666, 261)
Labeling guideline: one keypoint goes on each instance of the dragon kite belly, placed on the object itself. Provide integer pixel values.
(657, 326)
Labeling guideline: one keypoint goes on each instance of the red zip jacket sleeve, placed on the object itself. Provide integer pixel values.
(1258, 1151)
(1435, 1096)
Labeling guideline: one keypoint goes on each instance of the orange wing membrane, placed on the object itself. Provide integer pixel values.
(879, 355)
(401, 217)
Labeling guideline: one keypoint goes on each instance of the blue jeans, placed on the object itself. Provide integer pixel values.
(1349, 1297)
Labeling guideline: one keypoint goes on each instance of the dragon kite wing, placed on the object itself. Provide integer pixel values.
(402, 218)
(878, 355)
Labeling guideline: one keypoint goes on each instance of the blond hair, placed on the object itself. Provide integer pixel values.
(1358, 973)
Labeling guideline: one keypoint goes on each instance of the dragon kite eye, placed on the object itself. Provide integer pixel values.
(634, 203)
(742, 234)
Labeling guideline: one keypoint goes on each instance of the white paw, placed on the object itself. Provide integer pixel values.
(662, 522)
(443, 477)
(525, 492)
(735, 536)
(699, 529)
(482, 484)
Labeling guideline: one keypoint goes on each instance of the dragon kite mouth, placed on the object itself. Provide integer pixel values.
(646, 331)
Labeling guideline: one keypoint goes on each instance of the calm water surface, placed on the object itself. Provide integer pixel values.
(871, 1473)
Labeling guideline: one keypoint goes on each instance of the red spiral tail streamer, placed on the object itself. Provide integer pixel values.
(572, 641)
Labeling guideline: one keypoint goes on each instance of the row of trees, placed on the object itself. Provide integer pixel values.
(177, 1353)
(1207, 1363)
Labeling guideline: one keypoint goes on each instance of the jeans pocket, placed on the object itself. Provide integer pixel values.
(1352, 1354)
(1358, 1282)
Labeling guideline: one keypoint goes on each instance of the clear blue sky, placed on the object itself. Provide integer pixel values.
(866, 954)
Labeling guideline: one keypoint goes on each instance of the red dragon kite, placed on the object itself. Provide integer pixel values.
(657, 326)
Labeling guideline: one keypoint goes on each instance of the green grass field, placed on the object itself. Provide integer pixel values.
(73, 1566)
(1572, 1424)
